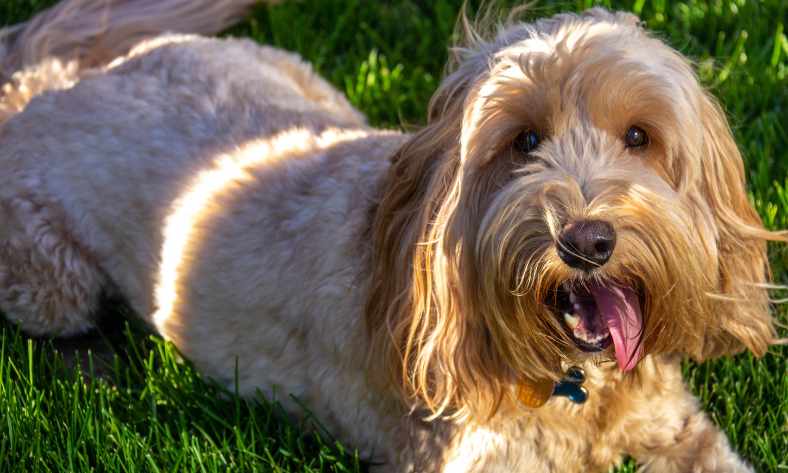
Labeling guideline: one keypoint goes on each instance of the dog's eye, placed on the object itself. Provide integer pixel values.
(526, 141)
(635, 137)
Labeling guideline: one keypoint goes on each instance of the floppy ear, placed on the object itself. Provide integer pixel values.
(429, 344)
(742, 301)
(405, 323)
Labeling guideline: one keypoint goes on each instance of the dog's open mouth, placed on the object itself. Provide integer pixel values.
(597, 315)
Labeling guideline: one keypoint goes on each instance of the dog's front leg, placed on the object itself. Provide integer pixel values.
(515, 441)
(671, 433)
(448, 447)
(697, 445)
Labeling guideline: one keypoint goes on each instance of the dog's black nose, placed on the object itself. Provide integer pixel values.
(587, 244)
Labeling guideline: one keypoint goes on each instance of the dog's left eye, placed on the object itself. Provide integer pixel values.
(526, 141)
(635, 137)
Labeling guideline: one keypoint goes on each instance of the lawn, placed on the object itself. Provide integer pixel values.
(130, 405)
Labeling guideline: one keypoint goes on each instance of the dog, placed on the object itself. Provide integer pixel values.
(510, 288)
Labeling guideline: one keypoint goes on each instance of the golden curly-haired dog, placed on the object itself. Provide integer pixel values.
(571, 221)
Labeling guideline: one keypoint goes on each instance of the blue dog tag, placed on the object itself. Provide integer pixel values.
(571, 386)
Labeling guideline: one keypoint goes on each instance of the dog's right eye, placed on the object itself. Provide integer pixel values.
(526, 141)
(636, 137)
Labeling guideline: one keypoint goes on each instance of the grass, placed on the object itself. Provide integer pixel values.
(149, 412)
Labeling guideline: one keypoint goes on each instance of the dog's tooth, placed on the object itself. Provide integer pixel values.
(593, 339)
(588, 337)
(571, 320)
(572, 297)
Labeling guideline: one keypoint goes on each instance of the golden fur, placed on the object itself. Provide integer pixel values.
(398, 285)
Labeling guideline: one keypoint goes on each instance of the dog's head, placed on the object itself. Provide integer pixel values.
(576, 193)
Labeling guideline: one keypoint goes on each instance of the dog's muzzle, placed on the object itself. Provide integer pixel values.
(596, 312)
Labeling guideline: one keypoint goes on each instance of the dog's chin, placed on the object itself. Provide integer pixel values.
(602, 318)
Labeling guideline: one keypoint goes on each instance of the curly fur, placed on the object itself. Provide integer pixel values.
(394, 283)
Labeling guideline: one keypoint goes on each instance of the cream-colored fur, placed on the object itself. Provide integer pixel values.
(247, 212)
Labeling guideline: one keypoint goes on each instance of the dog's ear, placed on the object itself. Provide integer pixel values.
(402, 316)
(419, 330)
(742, 303)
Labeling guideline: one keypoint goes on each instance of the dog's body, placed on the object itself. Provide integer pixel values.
(234, 199)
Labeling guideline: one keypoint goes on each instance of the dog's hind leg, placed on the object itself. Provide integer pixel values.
(48, 283)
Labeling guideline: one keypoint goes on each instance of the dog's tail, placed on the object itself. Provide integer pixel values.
(50, 50)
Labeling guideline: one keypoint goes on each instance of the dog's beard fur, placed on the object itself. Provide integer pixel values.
(465, 261)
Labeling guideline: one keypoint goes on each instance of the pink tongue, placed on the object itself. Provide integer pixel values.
(620, 308)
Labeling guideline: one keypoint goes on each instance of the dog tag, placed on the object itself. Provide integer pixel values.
(535, 394)
(573, 392)
(571, 387)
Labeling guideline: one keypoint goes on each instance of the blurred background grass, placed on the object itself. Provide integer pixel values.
(148, 412)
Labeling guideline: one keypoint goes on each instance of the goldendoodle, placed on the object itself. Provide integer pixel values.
(511, 288)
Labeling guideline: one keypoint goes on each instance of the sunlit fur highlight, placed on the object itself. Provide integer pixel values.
(465, 233)
(197, 204)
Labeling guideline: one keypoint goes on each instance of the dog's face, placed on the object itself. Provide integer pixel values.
(576, 194)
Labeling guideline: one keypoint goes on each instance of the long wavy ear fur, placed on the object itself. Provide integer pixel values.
(400, 307)
(418, 328)
(743, 310)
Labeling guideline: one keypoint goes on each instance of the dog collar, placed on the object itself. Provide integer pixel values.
(536, 394)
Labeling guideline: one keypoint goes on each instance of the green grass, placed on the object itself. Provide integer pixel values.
(150, 412)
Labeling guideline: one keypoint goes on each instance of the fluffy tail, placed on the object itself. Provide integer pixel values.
(49, 51)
